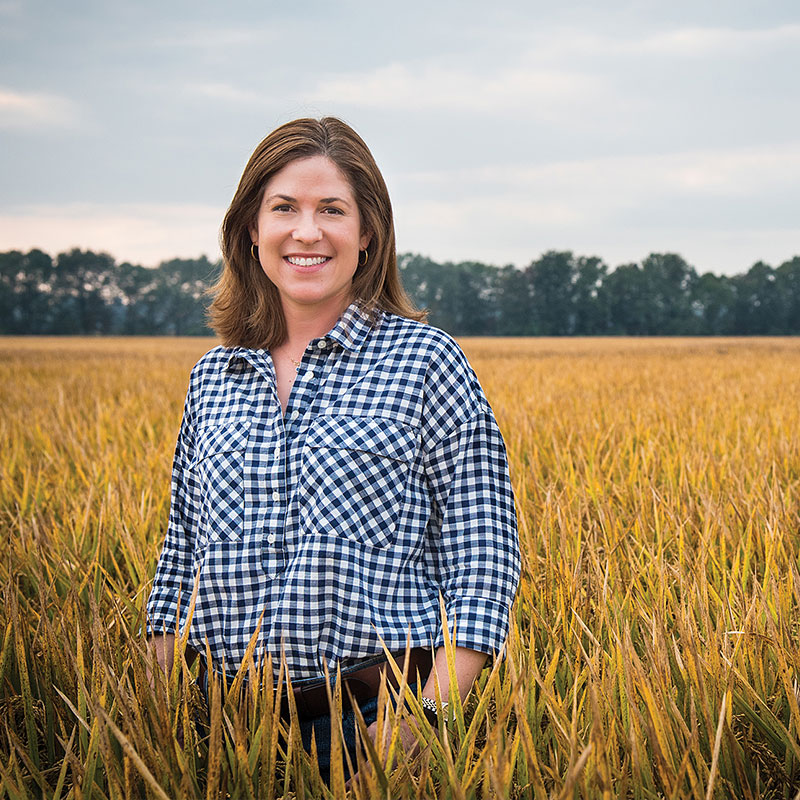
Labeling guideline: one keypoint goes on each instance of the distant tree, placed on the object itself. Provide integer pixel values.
(713, 304)
(787, 284)
(652, 299)
(624, 294)
(668, 284)
(415, 274)
(589, 304)
(82, 291)
(758, 302)
(181, 285)
(513, 302)
(25, 292)
(470, 299)
(551, 281)
(135, 305)
(460, 297)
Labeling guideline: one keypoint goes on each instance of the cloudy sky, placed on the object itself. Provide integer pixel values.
(503, 129)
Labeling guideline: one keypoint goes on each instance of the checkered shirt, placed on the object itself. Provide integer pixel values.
(338, 524)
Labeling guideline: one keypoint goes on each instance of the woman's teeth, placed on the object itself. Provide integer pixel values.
(306, 262)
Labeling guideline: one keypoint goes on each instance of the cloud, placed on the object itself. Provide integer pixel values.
(26, 110)
(227, 93)
(577, 45)
(139, 233)
(712, 42)
(737, 200)
(429, 86)
(211, 38)
(722, 172)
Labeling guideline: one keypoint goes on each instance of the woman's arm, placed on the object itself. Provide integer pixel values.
(173, 582)
(163, 646)
(468, 664)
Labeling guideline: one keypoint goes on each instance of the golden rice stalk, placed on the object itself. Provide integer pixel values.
(654, 644)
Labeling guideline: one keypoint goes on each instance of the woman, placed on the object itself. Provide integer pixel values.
(338, 466)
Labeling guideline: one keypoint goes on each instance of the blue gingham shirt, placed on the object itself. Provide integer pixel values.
(339, 524)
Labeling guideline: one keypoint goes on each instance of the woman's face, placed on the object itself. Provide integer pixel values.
(308, 232)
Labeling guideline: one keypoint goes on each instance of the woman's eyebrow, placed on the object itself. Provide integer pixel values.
(334, 200)
(290, 199)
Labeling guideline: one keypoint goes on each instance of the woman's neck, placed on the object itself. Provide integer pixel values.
(304, 323)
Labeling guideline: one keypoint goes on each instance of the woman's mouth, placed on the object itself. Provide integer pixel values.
(310, 261)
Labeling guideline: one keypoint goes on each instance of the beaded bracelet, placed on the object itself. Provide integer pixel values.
(431, 712)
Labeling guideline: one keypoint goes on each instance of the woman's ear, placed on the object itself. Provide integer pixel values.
(366, 238)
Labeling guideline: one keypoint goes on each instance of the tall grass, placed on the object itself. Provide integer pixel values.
(655, 649)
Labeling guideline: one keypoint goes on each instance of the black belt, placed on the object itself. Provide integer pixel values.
(311, 699)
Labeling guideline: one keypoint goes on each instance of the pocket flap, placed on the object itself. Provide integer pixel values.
(377, 435)
(221, 439)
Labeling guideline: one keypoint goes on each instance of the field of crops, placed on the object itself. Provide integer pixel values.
(655, 650)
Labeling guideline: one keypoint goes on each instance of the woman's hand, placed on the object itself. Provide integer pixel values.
(408, 740)
(163, 646)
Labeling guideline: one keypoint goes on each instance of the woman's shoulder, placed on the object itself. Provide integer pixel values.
(425, 339)
(211, 363)
(447, 376)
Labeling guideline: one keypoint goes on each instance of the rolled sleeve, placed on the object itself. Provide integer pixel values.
(474, 547)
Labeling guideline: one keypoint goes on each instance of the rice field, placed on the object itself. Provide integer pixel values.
(655, 650)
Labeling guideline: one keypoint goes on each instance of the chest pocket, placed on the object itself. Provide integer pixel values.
(354, 476)
(218, 468)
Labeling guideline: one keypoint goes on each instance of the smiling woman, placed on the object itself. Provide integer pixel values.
(338, 469)
(247, 308)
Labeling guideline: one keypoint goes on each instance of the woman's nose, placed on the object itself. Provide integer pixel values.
(307, 229)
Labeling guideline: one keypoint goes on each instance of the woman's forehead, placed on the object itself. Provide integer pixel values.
(311, 174)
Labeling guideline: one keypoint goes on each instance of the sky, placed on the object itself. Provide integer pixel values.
(503, 129)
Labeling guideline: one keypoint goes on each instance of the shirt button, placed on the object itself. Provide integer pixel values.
(309, 375)
(271, 538)
(278, 451)
(276, 496)
(294, 415)
(322, 344)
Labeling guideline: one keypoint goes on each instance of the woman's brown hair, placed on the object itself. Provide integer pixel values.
(246, 309)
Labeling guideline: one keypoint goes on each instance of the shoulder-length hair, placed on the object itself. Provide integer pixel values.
(246, 310)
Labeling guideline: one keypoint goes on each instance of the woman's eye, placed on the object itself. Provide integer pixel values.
(334, 210)
(282, 207)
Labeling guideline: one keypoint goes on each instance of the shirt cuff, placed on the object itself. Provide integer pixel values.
(480, 624)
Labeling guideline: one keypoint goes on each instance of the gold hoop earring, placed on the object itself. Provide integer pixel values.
(366, 258)
(254, 251)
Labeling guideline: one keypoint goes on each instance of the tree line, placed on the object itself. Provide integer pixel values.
(558, 294)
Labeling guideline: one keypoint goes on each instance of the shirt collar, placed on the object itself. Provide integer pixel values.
(353, 327)
(257, 357)
(350, 332)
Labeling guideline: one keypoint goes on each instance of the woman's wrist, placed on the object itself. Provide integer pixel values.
(431, 711)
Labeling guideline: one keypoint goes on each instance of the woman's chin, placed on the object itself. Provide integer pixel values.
(323, 302)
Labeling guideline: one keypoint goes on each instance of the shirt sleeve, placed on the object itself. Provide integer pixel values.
(170, 596)
(473, 541)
